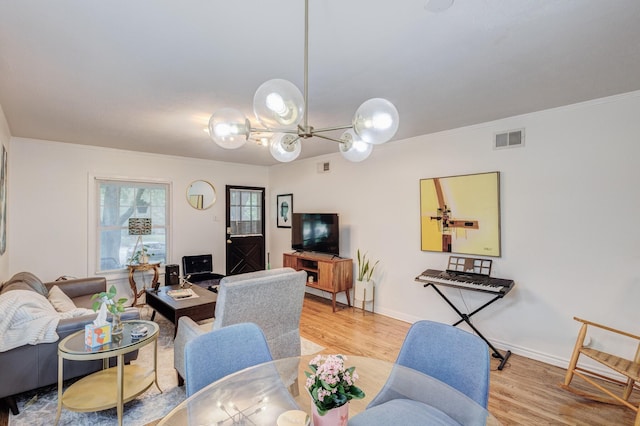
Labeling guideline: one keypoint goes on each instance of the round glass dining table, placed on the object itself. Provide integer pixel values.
(259, 395)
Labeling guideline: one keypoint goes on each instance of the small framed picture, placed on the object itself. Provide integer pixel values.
(284, 210)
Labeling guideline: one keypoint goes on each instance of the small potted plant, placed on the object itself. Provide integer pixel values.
(113, 305)
(140, 257)
(364, 283)
(331, 386)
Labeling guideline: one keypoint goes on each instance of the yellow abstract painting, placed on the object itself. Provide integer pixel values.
(461, 214)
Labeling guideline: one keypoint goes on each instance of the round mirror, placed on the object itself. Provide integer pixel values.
(201, 194)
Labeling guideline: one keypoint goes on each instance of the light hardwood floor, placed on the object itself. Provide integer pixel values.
(525, 392)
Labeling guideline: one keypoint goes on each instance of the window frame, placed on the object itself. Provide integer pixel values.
(252, 208)
(95, 227)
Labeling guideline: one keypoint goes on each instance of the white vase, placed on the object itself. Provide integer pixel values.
(363, 291)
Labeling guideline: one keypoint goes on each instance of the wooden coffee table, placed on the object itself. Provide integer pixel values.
(197, 308)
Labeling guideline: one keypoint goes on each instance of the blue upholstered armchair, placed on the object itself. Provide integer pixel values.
(448, 354)
(271, 299)
(233, 348)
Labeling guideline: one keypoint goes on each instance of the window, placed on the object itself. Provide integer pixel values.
(118, 201)
(245, 212)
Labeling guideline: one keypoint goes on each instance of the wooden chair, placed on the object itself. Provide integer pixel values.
(627, 368)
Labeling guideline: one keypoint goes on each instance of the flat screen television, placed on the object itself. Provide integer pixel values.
(316, 232)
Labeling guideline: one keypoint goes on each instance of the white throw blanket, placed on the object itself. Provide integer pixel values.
(27, 317)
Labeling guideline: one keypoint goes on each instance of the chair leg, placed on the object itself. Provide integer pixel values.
(294, 388)
(576, 353)
(13, 405)
(628, 389)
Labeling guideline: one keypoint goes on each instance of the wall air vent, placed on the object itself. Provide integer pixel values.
(509, 139)
(324, 167)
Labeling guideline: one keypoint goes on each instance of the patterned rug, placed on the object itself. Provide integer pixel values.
(39, 407)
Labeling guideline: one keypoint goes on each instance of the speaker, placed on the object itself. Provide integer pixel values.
(171, 274)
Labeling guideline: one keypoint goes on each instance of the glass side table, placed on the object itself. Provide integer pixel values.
(109, 387)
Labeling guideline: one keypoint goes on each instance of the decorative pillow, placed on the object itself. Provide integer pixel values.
(60, 301)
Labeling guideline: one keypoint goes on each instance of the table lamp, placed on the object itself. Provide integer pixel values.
(139, 226)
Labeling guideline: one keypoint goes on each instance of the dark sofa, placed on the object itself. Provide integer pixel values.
(30, 367)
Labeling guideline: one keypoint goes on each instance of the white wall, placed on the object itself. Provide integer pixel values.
(51, 189)
(5, 136)
(569, 204)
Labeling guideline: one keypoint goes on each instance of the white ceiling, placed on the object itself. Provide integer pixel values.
(145, 75)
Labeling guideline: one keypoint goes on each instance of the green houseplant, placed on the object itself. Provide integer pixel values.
(113, 305)
(140, 257)
(365, 270)
(364, 284)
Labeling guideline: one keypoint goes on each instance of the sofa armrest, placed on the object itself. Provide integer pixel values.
(78, 287)
(188, 329)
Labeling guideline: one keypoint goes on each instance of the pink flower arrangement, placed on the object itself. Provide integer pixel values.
(330, 384)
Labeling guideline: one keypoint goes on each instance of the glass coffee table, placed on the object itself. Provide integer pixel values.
(261, 394)
(109, 387)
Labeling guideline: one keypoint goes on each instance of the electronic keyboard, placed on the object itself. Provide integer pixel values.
(466, 280)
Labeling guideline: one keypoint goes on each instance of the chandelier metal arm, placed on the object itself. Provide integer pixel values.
(268, 130)
(330, 129)
(327, 138)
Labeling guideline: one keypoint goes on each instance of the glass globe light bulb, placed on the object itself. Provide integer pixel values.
(229, 128)
(278, 103)
(285, 147)
(353, 148)
(376, 121)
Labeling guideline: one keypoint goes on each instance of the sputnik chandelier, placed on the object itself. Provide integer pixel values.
(283, 111)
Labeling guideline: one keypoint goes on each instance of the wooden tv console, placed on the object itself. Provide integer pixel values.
(326, 273)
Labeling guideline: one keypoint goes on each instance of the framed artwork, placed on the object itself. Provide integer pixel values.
(3, 201)
(461, 214)
(284, 209)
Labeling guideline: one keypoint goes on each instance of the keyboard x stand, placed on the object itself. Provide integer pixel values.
(472, 267)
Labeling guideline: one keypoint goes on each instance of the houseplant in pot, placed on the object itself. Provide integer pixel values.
(140, 257)
(331, 386)
(364, 284)
(113, 305)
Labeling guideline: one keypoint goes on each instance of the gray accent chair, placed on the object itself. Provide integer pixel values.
(271, 299)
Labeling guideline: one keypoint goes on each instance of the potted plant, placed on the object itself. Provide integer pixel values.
(140, 257)
(364, 283)
(113, 305)
(331, 386)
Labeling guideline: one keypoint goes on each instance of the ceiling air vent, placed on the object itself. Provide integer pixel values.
(324, 167)
(509, 139)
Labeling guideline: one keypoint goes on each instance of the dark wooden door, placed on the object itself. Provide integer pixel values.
(245, 229)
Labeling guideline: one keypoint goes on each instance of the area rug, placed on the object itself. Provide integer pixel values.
(39, 407)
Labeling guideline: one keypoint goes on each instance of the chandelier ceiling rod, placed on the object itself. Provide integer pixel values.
(306, 66)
